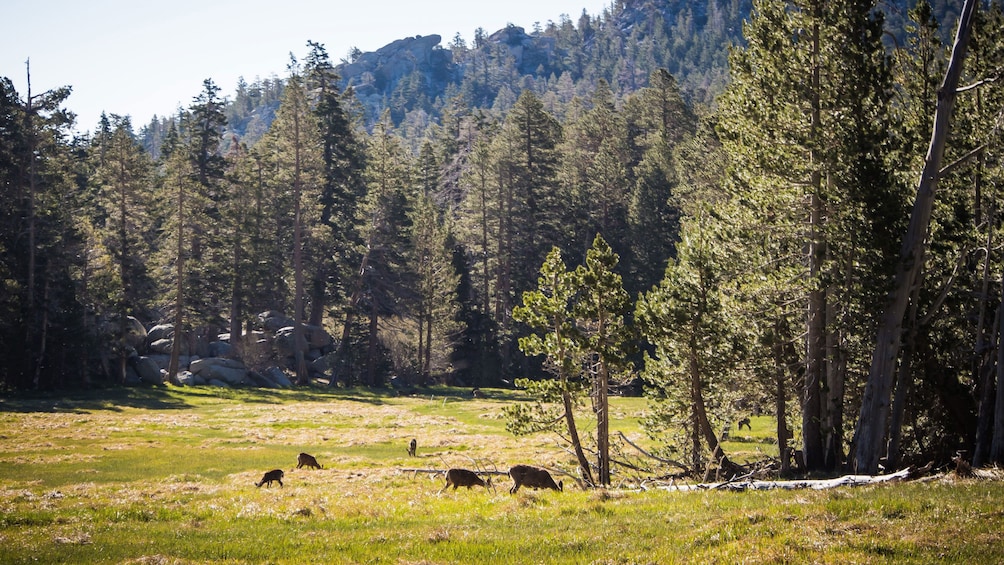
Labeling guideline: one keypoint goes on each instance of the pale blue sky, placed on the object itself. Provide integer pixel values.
(139, 58)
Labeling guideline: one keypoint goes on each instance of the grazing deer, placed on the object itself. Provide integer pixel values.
(308, 460)
(273, 475)
(745, 422)
(534, 477)
(465, 478)
(412, 447)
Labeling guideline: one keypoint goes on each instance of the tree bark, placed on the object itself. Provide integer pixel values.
(997, 444)
(372, 356)
(783, 351)
(573, 433)
(871, 426)
(179, 300)
(815, 354)
(701, 412)
(603, 424)
(983, 361)
(904, 382)
(299, 340)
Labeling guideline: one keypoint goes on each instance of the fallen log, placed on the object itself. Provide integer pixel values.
(744, 483)
(434, 472)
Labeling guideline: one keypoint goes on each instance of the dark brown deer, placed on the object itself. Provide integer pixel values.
(465, 478)
(745, 422)
(304, 459)
(412, 447)
(533, 477)
(273, 475)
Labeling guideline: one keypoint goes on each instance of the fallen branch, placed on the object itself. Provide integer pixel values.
(435, 472)
(817, 484)
(650, 455)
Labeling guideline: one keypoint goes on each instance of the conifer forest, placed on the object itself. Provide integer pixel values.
(733, 207)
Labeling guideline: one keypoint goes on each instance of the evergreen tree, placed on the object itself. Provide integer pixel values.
(123, 180)
(436, 305)
(179, 192)
(529, 208)
(342, 183)
(594, 172)
(687, 319)
(803, 125)
(548, 311)
(658, 120)
(294, 146)
(382, 281)
(39, 240)
(600, 312)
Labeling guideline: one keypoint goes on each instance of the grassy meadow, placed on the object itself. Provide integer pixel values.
(167, 475)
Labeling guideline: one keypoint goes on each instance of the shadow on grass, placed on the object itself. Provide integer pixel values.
(115, 399)
(79, 401)
(174, 398)
(459, 393)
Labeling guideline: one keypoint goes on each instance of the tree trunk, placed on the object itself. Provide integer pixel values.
(350, 315)
(603, 425)
(421, 342)
(428, 347)
(573, 433)
(372, 356)
(701, 413)
(904, 382)
(179, 299)
(237, 299)
(781, 396)
(299, 340)
(833, 414)
(983, 365)
(318, 296)
(815, 353)
(870, 430)
(997, 444)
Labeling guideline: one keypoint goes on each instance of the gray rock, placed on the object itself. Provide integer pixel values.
(162, 346)
(220, 349)
(161, 331)
(188, 378)
(274, 321)
(148, 371)
(230, 371)
(276, 375)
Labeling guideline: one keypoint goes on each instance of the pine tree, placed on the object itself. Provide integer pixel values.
(548, 311)
(342, 183)
(687, 319)
(594, 172)
(39, 238)
(658, 120)
(179, 193)
(297, 168)
(382, 280)
(802, 123)
(529, 209)
(124, 185)
(600, 311)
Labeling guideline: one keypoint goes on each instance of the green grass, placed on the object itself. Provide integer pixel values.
(167, 476)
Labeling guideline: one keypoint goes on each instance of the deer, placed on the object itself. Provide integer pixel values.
(273, 475)
(304, 459)
(534, 477)
(465, 478)
(412, 447)
(745, 422)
